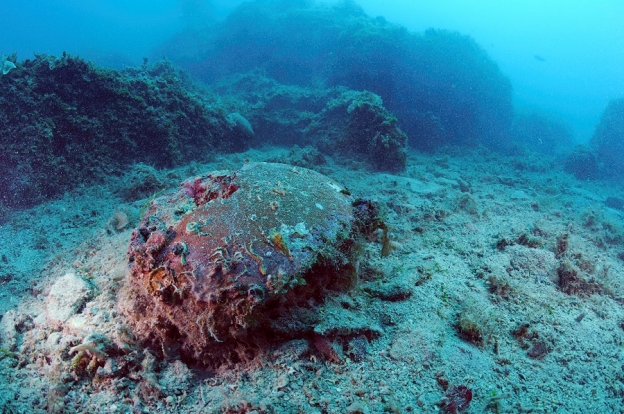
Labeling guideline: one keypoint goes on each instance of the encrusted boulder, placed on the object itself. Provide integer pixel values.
(221, 260)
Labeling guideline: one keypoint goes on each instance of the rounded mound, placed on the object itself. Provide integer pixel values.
(231, 252)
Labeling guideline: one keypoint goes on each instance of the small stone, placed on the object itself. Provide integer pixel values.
(357, 408)
(67, 296)
(109, 369)
(8, 333)
(282, 381)
(52, 343)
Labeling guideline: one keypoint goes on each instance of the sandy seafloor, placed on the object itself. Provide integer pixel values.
(542, 349)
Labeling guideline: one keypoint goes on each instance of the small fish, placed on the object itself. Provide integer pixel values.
(538, 57)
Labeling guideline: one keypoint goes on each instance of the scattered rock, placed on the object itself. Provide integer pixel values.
(358, 348)
(67, 296)
(176, 377)
(357, 407)
(394, 291)
(8, 333)
(118, 222)
(538, 350)
(572, 282)
(307, 157)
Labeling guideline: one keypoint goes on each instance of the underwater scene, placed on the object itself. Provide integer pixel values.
(299, 206)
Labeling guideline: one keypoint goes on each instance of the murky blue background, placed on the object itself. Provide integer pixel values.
(579, 44)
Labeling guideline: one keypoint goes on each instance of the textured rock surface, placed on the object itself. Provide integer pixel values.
(230, 253)
(66, 122)
(353, 124)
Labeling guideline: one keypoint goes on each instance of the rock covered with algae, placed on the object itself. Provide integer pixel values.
(231, 253)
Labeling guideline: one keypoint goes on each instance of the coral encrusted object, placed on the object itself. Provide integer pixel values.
(232, 257)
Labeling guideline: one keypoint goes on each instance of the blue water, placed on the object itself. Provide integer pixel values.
(580, 44)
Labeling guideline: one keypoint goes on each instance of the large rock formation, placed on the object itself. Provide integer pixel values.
(66, 122)
(233, 255)
(336, 121)
(441, 85)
